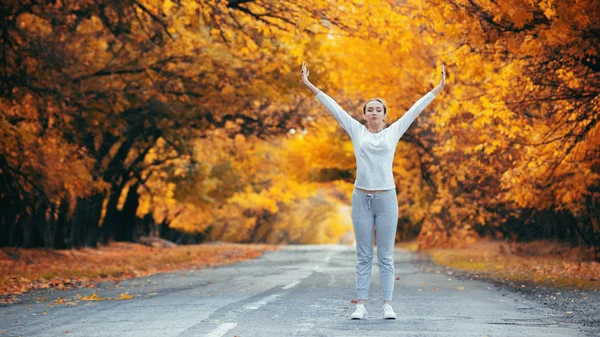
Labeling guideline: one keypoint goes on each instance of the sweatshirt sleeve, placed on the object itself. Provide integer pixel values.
(351, 125)
(399, 127)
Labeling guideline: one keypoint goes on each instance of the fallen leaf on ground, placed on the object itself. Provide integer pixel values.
(94, 297)
(124, 297)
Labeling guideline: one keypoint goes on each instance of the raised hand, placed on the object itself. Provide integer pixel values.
(443, 80)
(442, 84)
(304, 73)
(305, 80)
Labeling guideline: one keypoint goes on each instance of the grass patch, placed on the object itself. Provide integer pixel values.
(494, 260)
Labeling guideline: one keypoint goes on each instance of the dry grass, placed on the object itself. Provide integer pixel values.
(544, 263)
(22, 270)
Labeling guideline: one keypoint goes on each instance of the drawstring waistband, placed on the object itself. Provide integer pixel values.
(358, 194)
(369, 198)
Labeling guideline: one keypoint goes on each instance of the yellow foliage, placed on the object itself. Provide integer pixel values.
(516, 126)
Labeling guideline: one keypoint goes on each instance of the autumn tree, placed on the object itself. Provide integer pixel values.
(181, 113)
(106, 81)
(515, 133)
(542, 151)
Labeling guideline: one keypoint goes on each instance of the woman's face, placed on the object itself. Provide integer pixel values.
(374, 114)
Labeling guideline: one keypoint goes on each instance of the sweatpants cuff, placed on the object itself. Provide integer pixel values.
(363, 295)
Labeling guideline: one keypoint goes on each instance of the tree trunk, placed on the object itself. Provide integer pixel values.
(84, 223)
(112, 219)
(9, 220)
(148, 228)
(126, 227)
(60, 235)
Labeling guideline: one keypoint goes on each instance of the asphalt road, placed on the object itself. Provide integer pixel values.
(297, 291)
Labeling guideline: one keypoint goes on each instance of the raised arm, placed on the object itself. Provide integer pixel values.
(351, 125)
(400, 126)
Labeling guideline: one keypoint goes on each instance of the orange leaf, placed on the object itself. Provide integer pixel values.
(94, 297)
(124, 297)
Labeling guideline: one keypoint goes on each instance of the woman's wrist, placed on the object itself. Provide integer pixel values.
(312, 88)
(437, 89)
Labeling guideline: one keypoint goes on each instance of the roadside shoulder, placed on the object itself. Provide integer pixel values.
(571, 304)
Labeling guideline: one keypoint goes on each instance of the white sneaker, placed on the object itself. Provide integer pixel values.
(360, 312)
(388, 311)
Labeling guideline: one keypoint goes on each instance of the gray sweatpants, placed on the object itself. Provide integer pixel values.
(378, 210)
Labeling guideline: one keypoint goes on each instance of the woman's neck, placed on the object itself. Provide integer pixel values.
(375, 128)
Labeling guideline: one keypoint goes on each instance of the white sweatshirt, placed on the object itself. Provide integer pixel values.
(374, 152)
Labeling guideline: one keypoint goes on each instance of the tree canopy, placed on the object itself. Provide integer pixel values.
(127, 118)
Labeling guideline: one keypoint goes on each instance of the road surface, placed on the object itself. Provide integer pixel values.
(296, 291)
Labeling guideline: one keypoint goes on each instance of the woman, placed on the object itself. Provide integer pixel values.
(374, 200)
